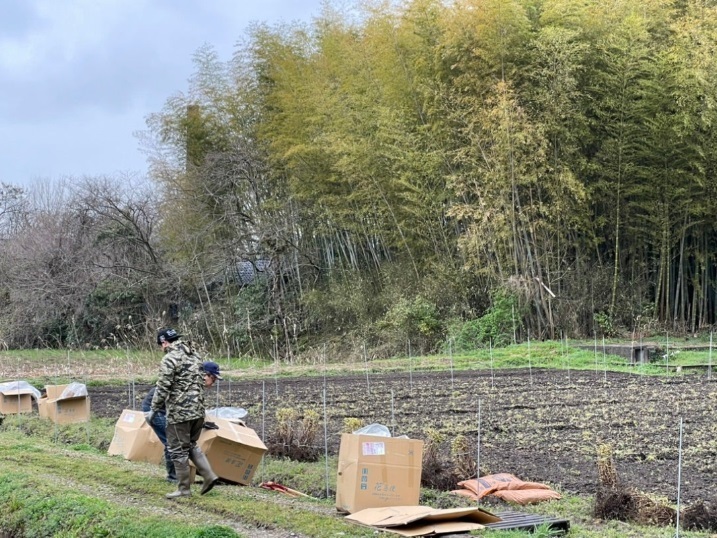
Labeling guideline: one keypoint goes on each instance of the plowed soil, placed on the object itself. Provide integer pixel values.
(541, 425)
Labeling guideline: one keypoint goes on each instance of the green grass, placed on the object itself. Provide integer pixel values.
(60, 484)
(32, 507)
(69, 472)
(552, 354)
(94, 367)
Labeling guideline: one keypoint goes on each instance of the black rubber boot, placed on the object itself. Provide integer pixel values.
(171, 473)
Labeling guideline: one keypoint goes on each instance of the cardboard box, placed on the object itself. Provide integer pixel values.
(234, 450)
(42, 407)
(423, 520)
(135, 439)
(63, 410)
(376, 472)
(16, 400)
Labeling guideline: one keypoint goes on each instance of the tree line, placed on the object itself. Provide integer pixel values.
(398, 177)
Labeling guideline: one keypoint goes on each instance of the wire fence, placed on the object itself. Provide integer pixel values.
(519, 420)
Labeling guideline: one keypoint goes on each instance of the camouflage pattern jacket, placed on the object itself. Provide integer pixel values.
(180, 387)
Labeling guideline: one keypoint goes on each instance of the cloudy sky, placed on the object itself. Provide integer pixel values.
(78, 77)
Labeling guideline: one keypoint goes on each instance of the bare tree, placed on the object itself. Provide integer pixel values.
(82, 266)
(45, 269)
(12, 206)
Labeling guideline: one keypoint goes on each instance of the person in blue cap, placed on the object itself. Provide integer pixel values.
(211, 373)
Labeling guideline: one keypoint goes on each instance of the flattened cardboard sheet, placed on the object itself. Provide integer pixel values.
(423, 520)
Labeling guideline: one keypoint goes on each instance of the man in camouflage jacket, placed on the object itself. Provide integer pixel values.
(180, 390)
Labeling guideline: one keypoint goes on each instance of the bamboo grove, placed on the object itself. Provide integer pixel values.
(405, 173)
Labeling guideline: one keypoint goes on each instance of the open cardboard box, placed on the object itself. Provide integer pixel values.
(135, 439)
(423, 520)
(376, 472)
(233, 450)
(16, 400)
(63, 410)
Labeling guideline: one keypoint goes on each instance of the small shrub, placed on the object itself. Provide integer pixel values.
(496, 326)
(615, 504)
(309, 428)
(606, 323)
(464, 335)
(295, 436)
(351, 424)
(613, 501)
(607, 475)
(286, 425)
(700, 516)
(432, 446)
(463, 457)
(437, 473)
(415, 320)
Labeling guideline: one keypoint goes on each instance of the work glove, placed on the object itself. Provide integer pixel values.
(148, 416)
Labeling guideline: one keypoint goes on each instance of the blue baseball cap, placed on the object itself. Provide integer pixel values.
(212, 368)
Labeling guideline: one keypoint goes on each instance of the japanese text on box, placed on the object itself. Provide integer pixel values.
(374, 448)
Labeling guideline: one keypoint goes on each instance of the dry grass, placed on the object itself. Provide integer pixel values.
(613, 501)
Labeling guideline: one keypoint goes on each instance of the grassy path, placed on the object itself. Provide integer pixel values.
(107, 489)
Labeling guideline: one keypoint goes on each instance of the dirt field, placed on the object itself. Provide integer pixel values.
(539, 425)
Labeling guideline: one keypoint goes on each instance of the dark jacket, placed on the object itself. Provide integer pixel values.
(147, 402)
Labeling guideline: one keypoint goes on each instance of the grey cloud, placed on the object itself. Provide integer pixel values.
(140, 56)
(72, 111)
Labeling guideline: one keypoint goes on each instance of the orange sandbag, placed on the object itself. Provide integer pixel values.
(508, 487)
(466, 493)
